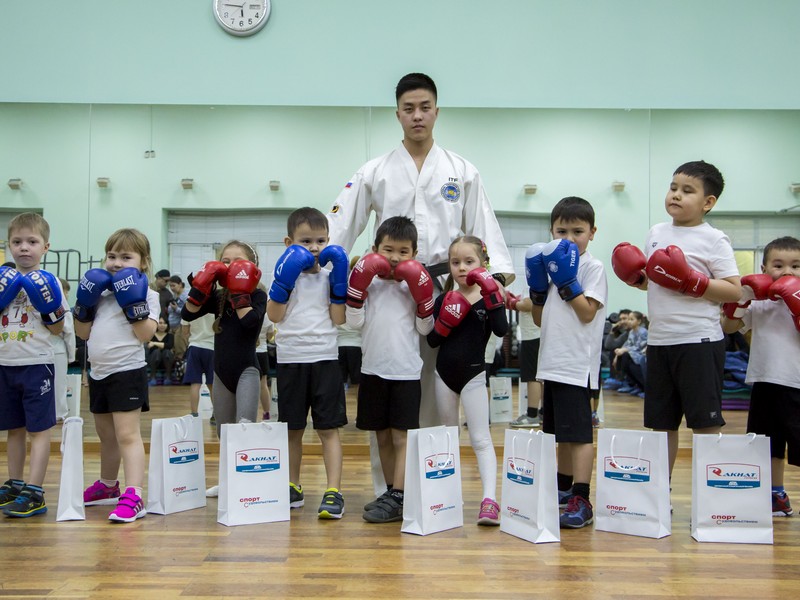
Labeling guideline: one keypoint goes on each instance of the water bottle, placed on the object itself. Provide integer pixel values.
(205, 409)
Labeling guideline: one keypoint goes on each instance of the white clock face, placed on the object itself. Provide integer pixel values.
(242, 17)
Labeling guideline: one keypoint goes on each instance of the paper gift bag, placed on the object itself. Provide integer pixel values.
(432, 496)
(501, 402)
(253, 473)
(70, 493)
(731, 489)
(632, 483)
(529, 495)
(204, 406)
(177, 475)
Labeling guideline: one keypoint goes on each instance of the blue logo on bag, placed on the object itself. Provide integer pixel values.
(258, 460)
(180, 453)
(439, 465)
(733, 476)
(627, 468)
(520, 470)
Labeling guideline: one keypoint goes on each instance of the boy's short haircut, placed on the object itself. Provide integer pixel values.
(314, 218)
(571, 209)
(163, 273)
(32, 221)
(415, 81)
(782, 243)
(400, 229)
(176, 279)
(713, 183)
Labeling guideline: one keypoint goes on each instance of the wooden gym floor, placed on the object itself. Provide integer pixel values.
(190, 555)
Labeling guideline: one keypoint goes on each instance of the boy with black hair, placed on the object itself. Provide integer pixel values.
(689, 270)
(770, 306)
(568, 289)
(307, 303)
(390, 298)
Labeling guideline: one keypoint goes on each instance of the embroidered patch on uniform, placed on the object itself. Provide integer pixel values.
(335, 209)
(451, 192)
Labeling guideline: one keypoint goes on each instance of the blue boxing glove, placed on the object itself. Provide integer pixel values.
(45, 295)
(292, 262)
(130, 290)
(10, 283)
(93, 283)
(338, 277)
(561, 261)
(536, 274)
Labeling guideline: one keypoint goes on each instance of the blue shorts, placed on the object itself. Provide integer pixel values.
(28, 398)
(199, 361)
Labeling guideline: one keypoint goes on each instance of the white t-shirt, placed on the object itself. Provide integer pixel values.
(390, 334)
(201, 332)
(570, 350)
(112, 345)
(676, 318)
(445, 200)
(348, 336)
(24, 339)
(263, 336)
(307, 334)
(775, 344)
(64, 342)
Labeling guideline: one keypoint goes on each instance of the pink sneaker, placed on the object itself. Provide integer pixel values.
(129, 508)
(490, 513)
(99, 493)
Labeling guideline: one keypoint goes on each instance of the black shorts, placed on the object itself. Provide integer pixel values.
(775, 412)
(120, 392)
(684, 379)
(350, 363)
(315, 386)
(567, 412)
(388, 403)
(263, 363)
(528, 359)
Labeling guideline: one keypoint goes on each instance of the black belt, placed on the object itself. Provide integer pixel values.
(436, 271)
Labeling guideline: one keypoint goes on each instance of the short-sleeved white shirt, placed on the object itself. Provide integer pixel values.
(112, 345)
(569, 350)
(389, 338)
(201, 332)
(24, 339)
(307, 334)
(527, 328)
(676, 318)
(775, 344)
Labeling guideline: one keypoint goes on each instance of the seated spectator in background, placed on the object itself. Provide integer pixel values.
(614, 339)
(159, 353)
(180, 294)
(630, 358)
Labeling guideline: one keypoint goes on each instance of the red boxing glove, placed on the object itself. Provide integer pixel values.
(512, 300)
(419, 283)
(668, 268)
(454, 309)
(788, 288)
(204, 280)
(362, 275)
(490, 291)
(754, 287)
(629, 263)
(242, 280)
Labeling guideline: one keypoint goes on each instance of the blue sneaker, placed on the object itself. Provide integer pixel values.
(625, 389)
(635, 391)
(563, 497)
(29, 503)
(612, 384)
(577, 514)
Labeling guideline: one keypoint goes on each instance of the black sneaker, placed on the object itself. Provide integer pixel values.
(28, 503)
(296, 499)
(374, 504)
(387, 511)
(9, 492)
(332, 506)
